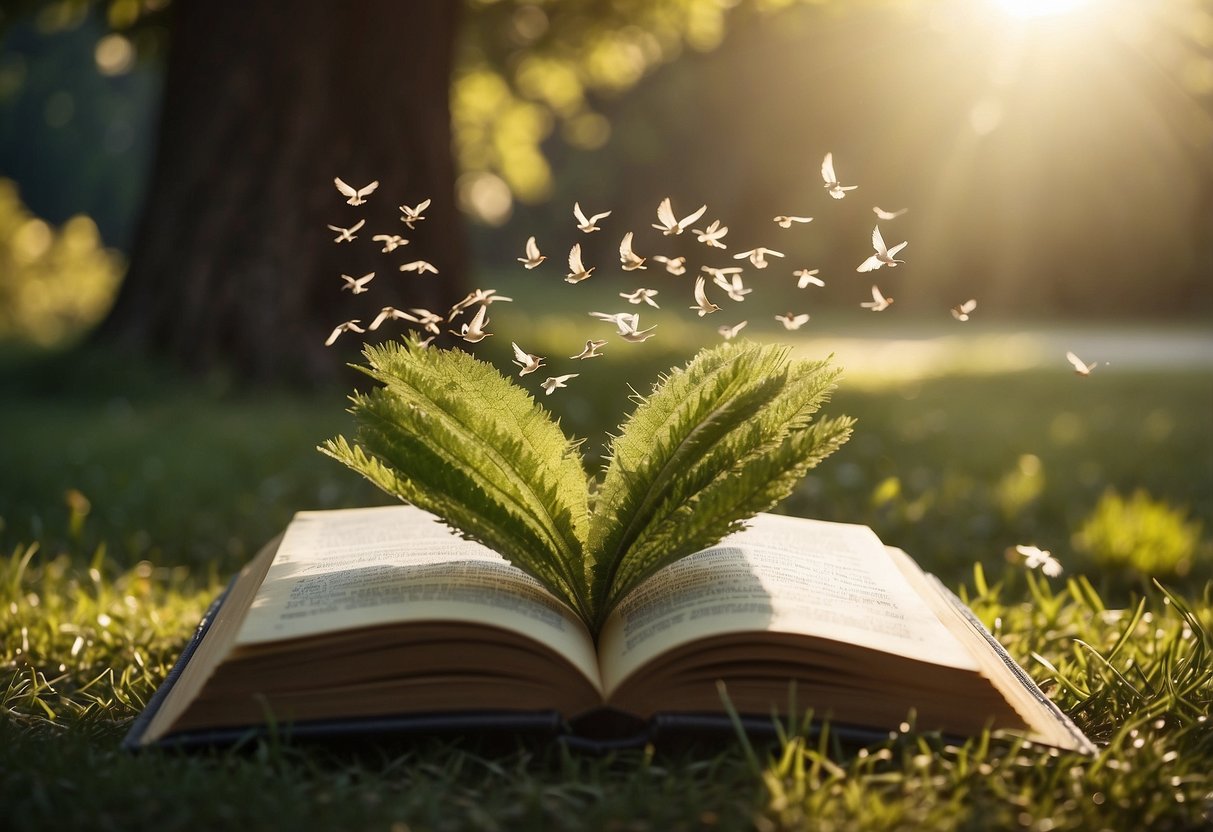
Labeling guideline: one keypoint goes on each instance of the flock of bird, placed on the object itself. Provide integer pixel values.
(728, 279)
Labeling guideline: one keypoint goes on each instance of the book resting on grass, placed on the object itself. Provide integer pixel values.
(365, 620)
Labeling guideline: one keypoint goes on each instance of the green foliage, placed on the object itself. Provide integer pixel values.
(725, 437)
(1140, 535)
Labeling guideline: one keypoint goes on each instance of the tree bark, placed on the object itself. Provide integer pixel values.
(264, 103)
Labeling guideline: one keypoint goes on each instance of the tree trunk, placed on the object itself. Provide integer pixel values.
(264, 104)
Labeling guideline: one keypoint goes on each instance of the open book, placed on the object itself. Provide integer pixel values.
(384, 613)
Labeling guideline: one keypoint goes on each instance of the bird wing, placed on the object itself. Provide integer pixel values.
(625, 247)
(895, 249)
(773, 252)
(878, 241)
(357, 226)
(421, 206)
(345, 189)
(578, 215)
(701, 295)
(690, 218)
(520, 355)
(368, 190)
(968, 306)
(743, 255)
(877, 296)
(479, 320)
(871, 264)
(665, 213)
(596, 217)
(532, 249)
(827, 169)
(1077, 362)
(575, 264)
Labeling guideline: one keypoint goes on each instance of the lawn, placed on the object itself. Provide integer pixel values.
(127, 497)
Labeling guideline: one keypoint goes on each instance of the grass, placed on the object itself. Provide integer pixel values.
(122, 513)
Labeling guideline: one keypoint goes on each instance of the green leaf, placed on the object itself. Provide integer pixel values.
(451, 435)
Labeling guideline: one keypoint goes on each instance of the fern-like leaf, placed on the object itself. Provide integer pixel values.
(451, 435)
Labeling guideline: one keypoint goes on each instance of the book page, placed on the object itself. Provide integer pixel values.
(365, 567)
(782, 574)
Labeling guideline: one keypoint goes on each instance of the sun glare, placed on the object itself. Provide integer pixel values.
(1039, 8)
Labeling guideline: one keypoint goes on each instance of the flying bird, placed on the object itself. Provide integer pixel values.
(624, 321)
(357, 285)
(884, 255)
(591, 224)
(426, 319)
(550, 384)
(962, 312)
(348, 326)
(791, 322)
(807, 277)
(637, 336)
(414, 214)
(347, 235)
(591, 350)
(1080, 367)
(702, 305)
(786, 222)
(831, 179)
(888, 215)
(720, 274)
(577, 270)
(355, 195)
(533, 258)
(1037, 558)
(674, 265)
(878, 303)
(474, 332)
(419, 266)
(730, 332)
(641, 296)
(758, 256)
(526, 362)
(668, 224)
(628, 258)
(389, 313)
(734, 288)
(481, 296)
(391, 242)
(712, 234)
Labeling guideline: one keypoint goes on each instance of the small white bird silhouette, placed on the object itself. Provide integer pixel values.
(641, 296)
(591, 350)
(357, 285)
(667, 224)
(730, 332)
(1080, 367)
(591, 224)
(419, 266)
(674, 265)
(831, 179)
(481, 296)
(346, 235)
(624, 321)
(550, 384)
(702, 305)
(807, 277)
(348, 326)
(786, 222)
(527, 363)
(734, 287)
(533, 258)
(474, 332)
(389, 313)
(577, 270)
(414, 214)
(391, 242)
(426, 319)
(355, 195)
(888, 215)
(884, 256)
(1035, 557)
(758, 256)
(791, 321)
(628, 258)
(878, 303)
(712, 234)
(720, 274)
(962, 312)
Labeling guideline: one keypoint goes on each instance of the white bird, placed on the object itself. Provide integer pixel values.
(591, 224)
(414, 214)
(355, 195)
(641, 296)
(357, 285)
(348, 326)
(426, 319)
(786, 222)
(730, 332)
(962, 312)
(391, 242)
(346, 235)
(550, 384)
(668, 224)
(474, 332)
(1035, 557)
(624, 321)
(734, 288)
(577, 270)
(884, 255)
(807, 277)
(712, 234)
(482, 296)
(389, 313)
(1080, 367)
(638, 336)
(758, 256)
(674, 265)
(720, 274)
(702, 305)
(591, 350)
(791, 321)
(831, 179)
(527, 363)
(419, 266)
(887, 215)
(878, 303)
(628, 258)
(533, 258)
